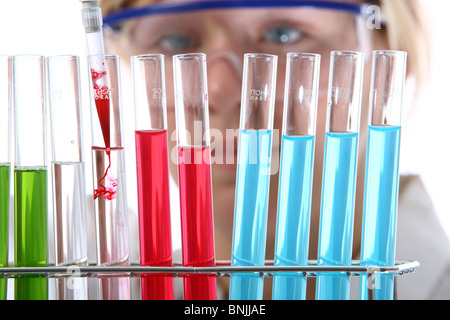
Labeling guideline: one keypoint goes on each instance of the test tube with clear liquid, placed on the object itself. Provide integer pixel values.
(339, 173)
(68, 173)
(155, 240)
(382, 171)
(5, 166)
(108, 157)
(253, 174)
(30, 175)
(296, 173)
(194, 173)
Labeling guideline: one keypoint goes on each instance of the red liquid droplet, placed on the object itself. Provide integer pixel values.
(102, 103)
(107, 183)
(107, 190)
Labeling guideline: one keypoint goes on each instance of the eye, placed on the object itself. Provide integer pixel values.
(282, 35)
(176, 42)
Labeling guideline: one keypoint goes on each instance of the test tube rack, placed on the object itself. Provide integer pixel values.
(222, 269)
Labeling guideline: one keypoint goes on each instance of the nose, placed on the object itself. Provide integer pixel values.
(224, 81)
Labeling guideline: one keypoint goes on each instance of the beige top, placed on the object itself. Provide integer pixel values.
(421, 238)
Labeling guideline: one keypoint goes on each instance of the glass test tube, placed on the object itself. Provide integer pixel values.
(253, 174)
(382, 171)
(296, 173)
(339, 172)
(155, 240)
(110, 203)
(30, 174)
(194, 173)
(68, 173)
(5, 166)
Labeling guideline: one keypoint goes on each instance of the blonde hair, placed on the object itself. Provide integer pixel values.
(109, 6)
(406, 30)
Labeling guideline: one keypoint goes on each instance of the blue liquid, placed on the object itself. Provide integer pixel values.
(380, 208)
(294, 213)
(337, 214)
(250, 212)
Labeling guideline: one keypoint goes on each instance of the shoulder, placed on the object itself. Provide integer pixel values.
(421, 238)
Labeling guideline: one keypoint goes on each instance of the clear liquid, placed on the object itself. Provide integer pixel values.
(380, 207)
(69, 207)
(337, 213)
(294, 213)
(111, 221)
(250, 212)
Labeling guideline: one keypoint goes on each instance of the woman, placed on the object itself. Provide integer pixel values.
(225, 35)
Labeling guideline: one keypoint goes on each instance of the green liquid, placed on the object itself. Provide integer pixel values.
(30, 230)
(5, 170)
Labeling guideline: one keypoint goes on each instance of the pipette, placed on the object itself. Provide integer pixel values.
(92, 22)
(108, 159)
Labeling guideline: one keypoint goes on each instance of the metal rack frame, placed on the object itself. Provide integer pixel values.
(222, 269)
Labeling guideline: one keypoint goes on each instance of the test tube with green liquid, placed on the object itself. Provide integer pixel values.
(30, 174)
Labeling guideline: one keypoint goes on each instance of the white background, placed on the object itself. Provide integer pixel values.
(53, 27)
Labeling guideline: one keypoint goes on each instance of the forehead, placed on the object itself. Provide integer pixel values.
(306, 15)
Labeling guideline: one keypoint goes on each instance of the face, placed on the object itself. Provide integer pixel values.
(225, 36)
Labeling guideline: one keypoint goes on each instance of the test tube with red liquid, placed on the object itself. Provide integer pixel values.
(110, 203)
(155, 240)
(194, 173)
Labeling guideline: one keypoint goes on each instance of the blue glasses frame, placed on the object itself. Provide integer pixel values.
(118, 17)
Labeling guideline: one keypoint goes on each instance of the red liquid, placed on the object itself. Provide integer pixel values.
(107, 185)
(102, 104)
(155, 241)
(197, 233)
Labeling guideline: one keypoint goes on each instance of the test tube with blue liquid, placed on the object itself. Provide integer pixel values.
(339, 173)
(296, 173)
(382, 171)
(253, 174)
